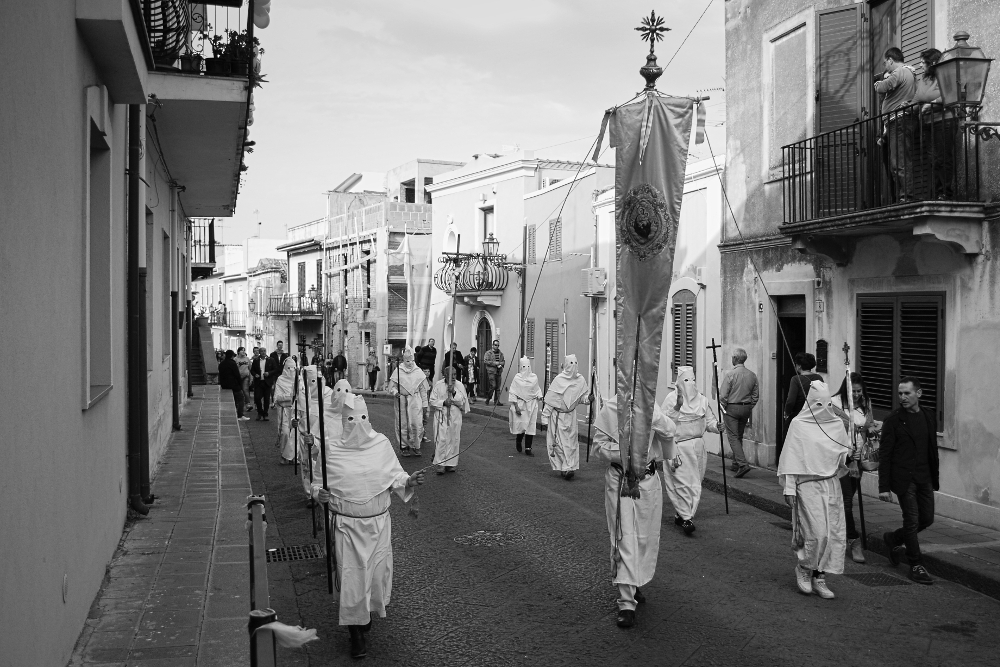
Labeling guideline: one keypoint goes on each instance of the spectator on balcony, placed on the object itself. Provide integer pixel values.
(426, 358)
(229, 378)
(898, 86)
(937, 137)
(339, 366)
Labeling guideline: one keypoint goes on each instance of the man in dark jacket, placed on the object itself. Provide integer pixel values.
(261, 388)
(229, 378)
(426, 359)
(455, 359)
(908, 467)
(339, 366)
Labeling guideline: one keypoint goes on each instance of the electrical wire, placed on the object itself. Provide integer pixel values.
(704, 11)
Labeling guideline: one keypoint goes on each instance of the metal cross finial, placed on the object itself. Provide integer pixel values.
(652, 29)
(847, 353)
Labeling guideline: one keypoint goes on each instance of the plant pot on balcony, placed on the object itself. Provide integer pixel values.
(241, 68)
(218, 66)
(201, 321)
(191, 63)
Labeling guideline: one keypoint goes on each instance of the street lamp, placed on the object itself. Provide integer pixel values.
(962, 71)
(312, 292)
(252, 305)
(491, 247)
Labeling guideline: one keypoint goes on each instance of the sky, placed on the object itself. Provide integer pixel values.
(366, 85)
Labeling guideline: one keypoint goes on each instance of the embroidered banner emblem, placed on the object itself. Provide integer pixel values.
(642, 223)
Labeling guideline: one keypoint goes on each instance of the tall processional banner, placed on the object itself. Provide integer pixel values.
(651, 138)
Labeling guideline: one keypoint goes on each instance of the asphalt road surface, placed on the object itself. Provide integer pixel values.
(508, 564)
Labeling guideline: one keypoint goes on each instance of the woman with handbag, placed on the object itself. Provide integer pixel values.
(865, 428)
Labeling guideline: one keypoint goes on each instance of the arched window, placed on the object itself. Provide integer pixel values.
(684, 329)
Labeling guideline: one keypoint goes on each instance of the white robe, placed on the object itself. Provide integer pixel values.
(409, 406)
(448, 422)
(692, 421)
(562, 428)
(639, 542)
(523, 395)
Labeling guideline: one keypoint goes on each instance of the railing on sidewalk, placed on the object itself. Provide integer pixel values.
(921, 152)
(263, 649)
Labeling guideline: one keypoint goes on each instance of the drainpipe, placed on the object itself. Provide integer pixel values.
(188, 314)
(524, 280)
(175, 355)
(136, 349)
(147, 497)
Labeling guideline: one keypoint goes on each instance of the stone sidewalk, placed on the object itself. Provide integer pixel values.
(177, 590)
(957, 551)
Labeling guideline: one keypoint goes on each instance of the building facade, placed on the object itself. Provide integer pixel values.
(109, 151)
(826, 247)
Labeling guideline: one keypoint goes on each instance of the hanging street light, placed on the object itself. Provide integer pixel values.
(962, 72)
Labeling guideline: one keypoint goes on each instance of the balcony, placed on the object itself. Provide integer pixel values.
(202, 248)
(295, 307)
(915, 170)
(480, 282)
(228, 319)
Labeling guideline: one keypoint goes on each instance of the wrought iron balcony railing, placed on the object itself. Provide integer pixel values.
(203, 242)
(916, 153)
(295, 305)
(230, 319)
(475, 276)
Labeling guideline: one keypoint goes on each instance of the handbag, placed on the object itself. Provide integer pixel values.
(869, 453)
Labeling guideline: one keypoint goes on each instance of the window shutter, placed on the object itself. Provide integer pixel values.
(838, 68)
(319, 275)
(915, 28)
(555, 240)
(920, 334)
(302, 277)
(531, 245)
(529, 337)
(684, 328)
(875, 349)
(552, 339)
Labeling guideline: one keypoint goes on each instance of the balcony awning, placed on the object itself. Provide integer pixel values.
(199, 125)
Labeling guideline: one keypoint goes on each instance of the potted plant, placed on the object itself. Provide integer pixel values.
(220, 64)
(240, 51)
(191, 62)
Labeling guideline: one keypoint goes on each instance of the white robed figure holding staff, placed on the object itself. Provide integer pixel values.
(450, 402)
(409, 383)
(524, 395)
(813, 459)
(691, 411)
(284, 395)
(633, 523)
(567, 391)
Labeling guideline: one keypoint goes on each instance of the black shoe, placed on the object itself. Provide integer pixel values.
(639, 597)
(890, 543)
(562, 473)
(266, 419)
(259, 418)
(500, 404)
(742, 471)
(517, 444)
(449, 468)
(919, 574)
(688, 527)
(678, 521)
(527, 452)
(569, 475)
(626, 618)
(358, 647)
(367, 626)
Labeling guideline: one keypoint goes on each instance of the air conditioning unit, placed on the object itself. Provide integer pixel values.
(699, 275)
(595, 281)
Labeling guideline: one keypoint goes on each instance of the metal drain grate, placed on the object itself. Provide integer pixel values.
(485, 538)
(877, 579)
(304, 552)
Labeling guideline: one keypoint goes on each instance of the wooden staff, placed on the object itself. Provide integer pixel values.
(855, 481)
(326, 487)
(590, 407)
(722, 419)
(295, 413)
(309, 449)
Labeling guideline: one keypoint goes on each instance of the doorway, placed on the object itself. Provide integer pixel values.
(484, 342)
(791, 339)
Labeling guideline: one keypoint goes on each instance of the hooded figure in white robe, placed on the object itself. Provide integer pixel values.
(409, 383)
(338, 399)
(567, 391)
(309, 431)
(636, 521)
(524, 395)
(284, 393)
(362, 473)
(813, 458)
(693, 418)
(450, 402)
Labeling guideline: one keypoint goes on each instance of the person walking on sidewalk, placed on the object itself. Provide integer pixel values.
(738, 395)
(339, 366)
(243, 363)
(472, 373)
(812, 460)
(864, 425)
(371, 368)
(362, 477)
(908, 467)
(261, 390)
(229, 378)
(494, 362)
(524, 396)
(692, 414)
(426, 358)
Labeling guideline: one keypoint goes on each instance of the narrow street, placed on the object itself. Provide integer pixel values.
(539, 592)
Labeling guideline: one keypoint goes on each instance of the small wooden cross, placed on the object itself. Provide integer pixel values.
(847, 352)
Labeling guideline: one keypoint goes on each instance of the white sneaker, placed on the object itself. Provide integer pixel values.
(243, 419)
(819, 585)
(856, 550)
(804, 579)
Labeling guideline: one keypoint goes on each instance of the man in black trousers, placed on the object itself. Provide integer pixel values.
(908, 467)
(261, 388)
